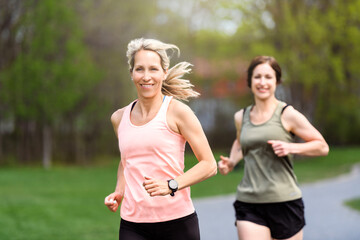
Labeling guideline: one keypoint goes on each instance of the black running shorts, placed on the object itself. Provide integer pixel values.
(284, 219)
(185, 228)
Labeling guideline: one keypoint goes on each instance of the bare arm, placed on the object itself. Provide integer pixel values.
(113, 200)
(181, 119)
(191, 129)
(227, 164)
(314, 145)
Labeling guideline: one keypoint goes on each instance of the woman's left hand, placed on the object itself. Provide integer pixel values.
(156, 187)
(281, 149)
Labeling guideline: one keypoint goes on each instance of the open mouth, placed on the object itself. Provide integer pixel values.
(263, 89)
(146, 85)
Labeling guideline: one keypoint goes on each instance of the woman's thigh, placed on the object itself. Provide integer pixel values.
(248, 231)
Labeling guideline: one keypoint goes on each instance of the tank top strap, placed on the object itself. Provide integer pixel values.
(246, 115)
(278, 111)
(164, 107)
(125, 120)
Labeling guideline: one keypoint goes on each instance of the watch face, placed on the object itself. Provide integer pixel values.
(173, 184)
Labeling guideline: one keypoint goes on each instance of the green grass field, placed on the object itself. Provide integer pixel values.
(354, 203)
(67, 202)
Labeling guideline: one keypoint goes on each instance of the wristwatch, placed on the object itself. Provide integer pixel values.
(173, 186)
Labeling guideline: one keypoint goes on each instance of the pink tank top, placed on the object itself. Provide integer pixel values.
(155, 151)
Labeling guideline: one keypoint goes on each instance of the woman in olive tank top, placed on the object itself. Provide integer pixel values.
(268, 201)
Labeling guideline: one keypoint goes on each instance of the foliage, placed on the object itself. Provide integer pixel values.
(53, 71)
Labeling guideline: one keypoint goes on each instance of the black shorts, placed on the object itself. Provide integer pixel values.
(185, 228)
(284, 219)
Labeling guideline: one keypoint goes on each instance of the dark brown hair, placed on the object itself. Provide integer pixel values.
(260, 60)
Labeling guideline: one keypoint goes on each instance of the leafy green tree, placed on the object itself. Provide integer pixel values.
(9, 20)
(53, 71)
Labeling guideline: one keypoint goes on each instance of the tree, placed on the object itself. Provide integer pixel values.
(10, 12)
(52, 72)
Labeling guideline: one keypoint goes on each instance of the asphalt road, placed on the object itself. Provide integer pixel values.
(326, 215)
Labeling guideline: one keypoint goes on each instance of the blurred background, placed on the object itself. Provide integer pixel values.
(63, 69)
(63, 72)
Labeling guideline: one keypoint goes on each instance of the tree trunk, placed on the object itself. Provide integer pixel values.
(23, 148)
(79, 148)
(47, 146)
(1, 147)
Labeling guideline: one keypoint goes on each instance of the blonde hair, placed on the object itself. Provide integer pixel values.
(173, 85)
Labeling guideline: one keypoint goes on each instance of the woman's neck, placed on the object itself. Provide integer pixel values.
(149, 106)
(267, 105)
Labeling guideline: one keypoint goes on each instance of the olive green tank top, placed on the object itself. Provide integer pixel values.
(267, 177)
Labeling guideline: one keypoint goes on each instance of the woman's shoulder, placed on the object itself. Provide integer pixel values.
(179, 115)
(290, 115)
(238, 116)
(178, 107)
(287, 110)
(117, 116)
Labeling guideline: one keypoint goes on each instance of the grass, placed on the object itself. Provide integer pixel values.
(67, 202)
(63, 203)
(354, 203)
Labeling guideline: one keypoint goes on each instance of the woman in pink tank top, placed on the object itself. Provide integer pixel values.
(152, 187)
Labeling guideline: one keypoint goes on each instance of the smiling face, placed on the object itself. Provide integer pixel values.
(147, 74)
(263, 81)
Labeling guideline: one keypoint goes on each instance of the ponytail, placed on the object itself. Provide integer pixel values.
(177, 87)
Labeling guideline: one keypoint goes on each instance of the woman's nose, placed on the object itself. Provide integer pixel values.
(262, 80)
(147, 76)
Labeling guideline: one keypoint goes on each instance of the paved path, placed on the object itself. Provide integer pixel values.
(326, 216)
